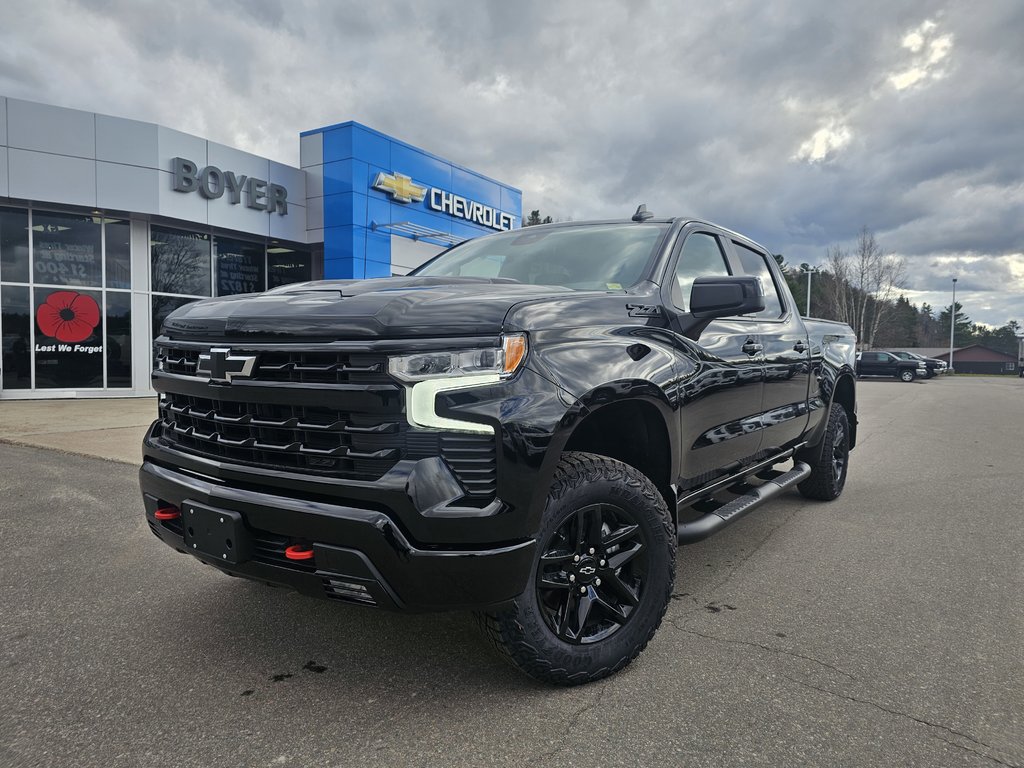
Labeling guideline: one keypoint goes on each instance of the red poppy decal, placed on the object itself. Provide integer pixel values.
(68, 316)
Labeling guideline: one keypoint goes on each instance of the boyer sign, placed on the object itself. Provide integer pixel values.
(212, 183)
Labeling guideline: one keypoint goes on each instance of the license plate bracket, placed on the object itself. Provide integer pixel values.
(217, 533)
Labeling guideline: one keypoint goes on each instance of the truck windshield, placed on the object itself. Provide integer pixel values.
(602, 257)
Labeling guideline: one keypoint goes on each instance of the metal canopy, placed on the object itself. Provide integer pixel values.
(418, 232)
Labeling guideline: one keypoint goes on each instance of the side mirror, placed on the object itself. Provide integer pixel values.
(714, 297)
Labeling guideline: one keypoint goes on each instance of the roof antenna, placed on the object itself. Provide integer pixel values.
(642, 214)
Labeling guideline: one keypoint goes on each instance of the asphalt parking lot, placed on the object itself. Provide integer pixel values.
(886, 628)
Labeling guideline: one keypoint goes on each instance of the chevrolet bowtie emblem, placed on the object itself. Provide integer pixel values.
(221, 366)
(400, 187)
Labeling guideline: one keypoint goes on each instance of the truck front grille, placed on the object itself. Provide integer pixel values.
(324, 412)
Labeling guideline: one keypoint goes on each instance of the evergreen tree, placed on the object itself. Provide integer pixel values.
(534, 218)
(901, 328)
(963, 329)
(928, 333)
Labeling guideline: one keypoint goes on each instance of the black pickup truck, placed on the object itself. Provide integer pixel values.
(526, 426)
(888, 364)
(933, 366)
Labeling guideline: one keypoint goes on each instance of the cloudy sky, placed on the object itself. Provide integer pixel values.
(794, 121)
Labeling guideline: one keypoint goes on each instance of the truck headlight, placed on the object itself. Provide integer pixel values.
(429, 373)
(500, 361)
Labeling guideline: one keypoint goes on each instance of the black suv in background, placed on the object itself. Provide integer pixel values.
(933, 365)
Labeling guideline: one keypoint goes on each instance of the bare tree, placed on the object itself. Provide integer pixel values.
(887, 277)
(864, 285)
(838, 293)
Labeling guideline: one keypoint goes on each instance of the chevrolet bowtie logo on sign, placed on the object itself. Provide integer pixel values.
(221, 366)
(400, 187)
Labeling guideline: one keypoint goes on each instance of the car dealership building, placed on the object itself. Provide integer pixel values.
(108, 224)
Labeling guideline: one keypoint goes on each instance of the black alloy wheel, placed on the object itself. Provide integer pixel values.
(829, 460)
(601, 579)
(840, 452)
(591, 574)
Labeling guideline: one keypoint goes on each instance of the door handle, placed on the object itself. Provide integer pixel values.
(752, 347)
(800, 347)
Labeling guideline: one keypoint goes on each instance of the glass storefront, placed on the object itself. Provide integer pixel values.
(67, 287)
(189, 265)
(17, 337)
(64, 300)
(288, 265)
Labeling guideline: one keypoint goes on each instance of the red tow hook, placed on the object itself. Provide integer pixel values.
(299, 552)
(167, 513)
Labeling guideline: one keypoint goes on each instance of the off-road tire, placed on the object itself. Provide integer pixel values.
(520, 633)
(825, 483)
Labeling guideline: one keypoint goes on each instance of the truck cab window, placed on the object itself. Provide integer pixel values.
(701, 256)
(753, 263)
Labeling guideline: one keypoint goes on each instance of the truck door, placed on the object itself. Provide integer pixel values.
(872, 364)
(787, 354)
(721, 391)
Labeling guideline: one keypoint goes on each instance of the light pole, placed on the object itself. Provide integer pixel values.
(952, 325)
(810, 270)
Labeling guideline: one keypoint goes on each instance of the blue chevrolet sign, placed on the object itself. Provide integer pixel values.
(387, 206)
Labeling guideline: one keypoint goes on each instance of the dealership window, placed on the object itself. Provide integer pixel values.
(13, 245)
(66, 287)
(66, 249)
(117, 246)
(15, 328)
(65, 316)
(180, 261)
(186, 264)
(288, 265)
(118, 337)
(69, 338)
(241, 266)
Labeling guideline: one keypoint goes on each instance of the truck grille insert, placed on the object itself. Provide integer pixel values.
(298, 367)
(472, 459)
(294, 437)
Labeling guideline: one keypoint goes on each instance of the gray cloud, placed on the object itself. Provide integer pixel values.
(782, 120)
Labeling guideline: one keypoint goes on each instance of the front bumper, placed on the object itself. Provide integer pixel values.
(360, 554)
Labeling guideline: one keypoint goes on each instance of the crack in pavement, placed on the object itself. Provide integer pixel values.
(768, 648)
(574, 719)
(913, 718)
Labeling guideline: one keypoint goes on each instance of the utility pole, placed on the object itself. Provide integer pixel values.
(952, 325)
(809, 271)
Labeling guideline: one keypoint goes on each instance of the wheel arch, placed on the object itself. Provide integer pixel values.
(633, 430)
(845, 394)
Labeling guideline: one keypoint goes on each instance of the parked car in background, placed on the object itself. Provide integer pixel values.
(933, 366)
(888, 364)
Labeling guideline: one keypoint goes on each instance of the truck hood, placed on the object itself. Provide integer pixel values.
(393, 307)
